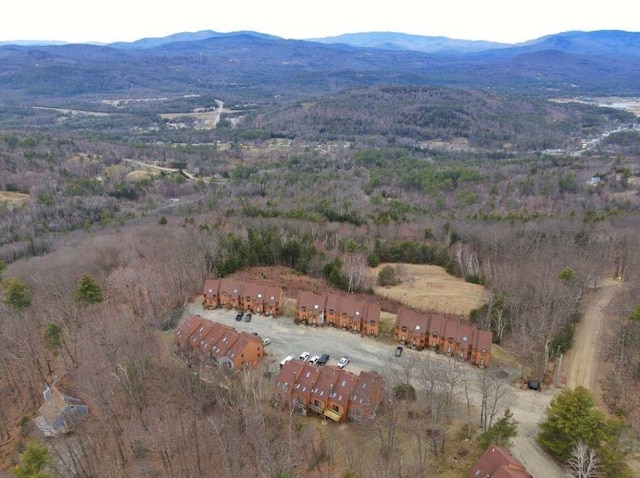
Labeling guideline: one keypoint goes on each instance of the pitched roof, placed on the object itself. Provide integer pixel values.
(324, 384)
(373, 311)
(288, 375)
(415, 322)
(342, 388)
(333, 302)
(353, 307)
(368, 389)
(497, 462)
(482, 340)
(187, 328)
(313, 302)
(254, 290)
(231, 287)
(306, 379)
(273, 295)
(210, 287)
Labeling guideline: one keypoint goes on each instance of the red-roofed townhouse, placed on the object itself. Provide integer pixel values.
(481, 348)
(371, 324)
(436, 331)
(247, 350)
(305, 381)
(220, 348)
(197, 338)
(339, 396)
(366, 396)
(230, 293)
(465, 341)
(332, 309)
(272, 301)
(354, 311)
(310, 308)
(210, 294)
(186, 330)
(450, 336)
(284, 383)
(253, 297)
(411, 328)
(497, 462)
(319, 397)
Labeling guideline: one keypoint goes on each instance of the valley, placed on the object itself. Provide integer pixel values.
(502, 187)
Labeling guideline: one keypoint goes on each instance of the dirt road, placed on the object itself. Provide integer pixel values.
(581, 362)
(580, 365)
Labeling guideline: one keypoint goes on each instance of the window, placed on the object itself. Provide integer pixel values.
(336, 408)
(404, 328)
(450, 340)
(316, 403)
(483, 352)
(465, 339)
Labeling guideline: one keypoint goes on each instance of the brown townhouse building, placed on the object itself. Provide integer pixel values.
(444, 333)
(234, 294)
(220, 343)
(210, 299)
(339, 310)
(310, 308)
(328, 391)
(230, 293)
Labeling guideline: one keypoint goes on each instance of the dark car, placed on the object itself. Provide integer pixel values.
(324, 358)
(398, 351)
(247, 317)
(240, 315)
(534, 384)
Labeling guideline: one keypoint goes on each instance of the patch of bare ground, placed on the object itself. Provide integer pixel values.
(13, 197)
(427, 287)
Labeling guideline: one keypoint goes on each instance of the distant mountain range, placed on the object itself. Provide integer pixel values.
(254, 65)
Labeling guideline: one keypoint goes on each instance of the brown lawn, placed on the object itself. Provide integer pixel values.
(428, 287)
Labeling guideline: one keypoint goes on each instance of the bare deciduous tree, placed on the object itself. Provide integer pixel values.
(583, 463)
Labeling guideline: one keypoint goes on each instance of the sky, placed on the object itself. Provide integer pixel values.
(505, 21)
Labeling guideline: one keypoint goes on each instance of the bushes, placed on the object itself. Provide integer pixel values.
(387, 276)
(404, 391)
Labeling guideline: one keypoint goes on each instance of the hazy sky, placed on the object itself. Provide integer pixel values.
(508, 21)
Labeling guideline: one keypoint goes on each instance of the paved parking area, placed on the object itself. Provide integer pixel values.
(287, 338)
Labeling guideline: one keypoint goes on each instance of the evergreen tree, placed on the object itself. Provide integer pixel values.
(16, 293)
(572, 418)
(33, 460)
(88, 291)
(53, 337)
(501, 432)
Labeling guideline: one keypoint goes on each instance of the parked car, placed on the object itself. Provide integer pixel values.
(288, 358)
(343, 361)
(304, 356)
(324, 358)
(247, 318)
(313, 360)
(239, 315)
(266, 341)
(398, 351)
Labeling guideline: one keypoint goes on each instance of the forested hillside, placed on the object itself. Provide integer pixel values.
(113, 211)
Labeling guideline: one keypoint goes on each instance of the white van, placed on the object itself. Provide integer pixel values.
(288, 358)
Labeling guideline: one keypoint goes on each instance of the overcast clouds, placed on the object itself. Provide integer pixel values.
(508, 21)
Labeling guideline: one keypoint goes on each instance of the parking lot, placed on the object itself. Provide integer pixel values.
(287, 338)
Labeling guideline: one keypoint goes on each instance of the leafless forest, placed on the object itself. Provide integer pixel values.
(539, 226)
